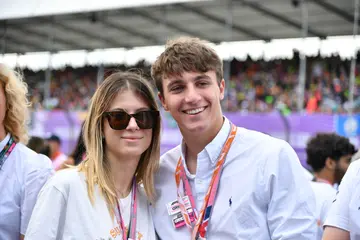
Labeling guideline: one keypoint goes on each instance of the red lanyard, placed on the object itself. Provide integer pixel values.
(131, 233)
(202, 219)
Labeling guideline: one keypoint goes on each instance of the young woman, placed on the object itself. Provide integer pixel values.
(23, 172)
(105, 197)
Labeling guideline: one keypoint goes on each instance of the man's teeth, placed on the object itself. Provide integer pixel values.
(194, 111)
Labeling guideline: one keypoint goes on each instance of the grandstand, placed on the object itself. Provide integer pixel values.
(65, 49)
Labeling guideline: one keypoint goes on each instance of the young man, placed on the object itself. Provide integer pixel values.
(329, 156)
(232, 183)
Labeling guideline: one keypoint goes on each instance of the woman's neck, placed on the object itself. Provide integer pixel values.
(122, 173)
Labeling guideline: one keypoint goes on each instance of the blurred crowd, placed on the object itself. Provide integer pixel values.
(268, 86)
(254, 86)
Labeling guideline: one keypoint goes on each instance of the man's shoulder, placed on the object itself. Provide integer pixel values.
(323, 189)
(30, 160)
(167, 167)
(355, 167)
(255, 138)
(170, 158)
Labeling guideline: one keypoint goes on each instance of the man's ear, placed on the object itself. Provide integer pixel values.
(162, 100)
(222, 89)
(330, 164)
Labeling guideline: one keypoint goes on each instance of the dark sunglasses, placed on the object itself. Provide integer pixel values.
(119, 120)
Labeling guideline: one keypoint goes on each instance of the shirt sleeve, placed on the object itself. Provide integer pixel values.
(338, 215)
(34, 180)
(47, 220)
(291, 208)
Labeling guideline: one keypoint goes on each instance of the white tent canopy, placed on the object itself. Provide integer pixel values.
(343, 46)
(39, 25)
(15, 9)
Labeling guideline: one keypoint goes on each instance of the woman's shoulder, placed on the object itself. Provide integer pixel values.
(66, 179)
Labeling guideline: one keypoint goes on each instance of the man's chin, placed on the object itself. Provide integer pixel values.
(195, 128)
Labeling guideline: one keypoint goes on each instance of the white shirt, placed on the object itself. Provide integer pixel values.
(345, 210)
(263, 193)
(22, 176)
(64, 211)
(308, 174)
(324, 195)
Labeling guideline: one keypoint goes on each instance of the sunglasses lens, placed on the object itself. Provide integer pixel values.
(118, 120)
(146, 119)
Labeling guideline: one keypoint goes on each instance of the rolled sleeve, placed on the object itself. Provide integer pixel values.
(33, 182)
(291, 211)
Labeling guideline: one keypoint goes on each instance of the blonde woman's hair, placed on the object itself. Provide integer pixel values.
(95, 166)
(17, 105)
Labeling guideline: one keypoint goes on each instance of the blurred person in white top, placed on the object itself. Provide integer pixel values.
(343, 220)
(329, 156)
(23, 172)
(262, 194)
(106, 195)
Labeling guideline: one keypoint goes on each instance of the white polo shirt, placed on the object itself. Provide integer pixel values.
(64, 211)
(21, 178)
(263, 193)
(345, 210)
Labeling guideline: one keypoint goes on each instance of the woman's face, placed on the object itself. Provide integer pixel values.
(132, 141)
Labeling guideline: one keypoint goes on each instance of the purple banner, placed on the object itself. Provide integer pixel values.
(295, 128)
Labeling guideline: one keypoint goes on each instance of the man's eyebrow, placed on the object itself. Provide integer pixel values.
(201, 77)
(174, 82)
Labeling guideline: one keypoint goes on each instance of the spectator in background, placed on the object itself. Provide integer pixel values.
(329, 156)
(57, 157)
(78, 154)
(37, 144)
(23, 172)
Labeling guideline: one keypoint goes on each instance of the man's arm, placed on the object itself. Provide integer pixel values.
(291, 208)
(333, 233)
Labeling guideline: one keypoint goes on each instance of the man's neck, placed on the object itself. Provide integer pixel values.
(122, 172)
(324, 176)
(196, 142)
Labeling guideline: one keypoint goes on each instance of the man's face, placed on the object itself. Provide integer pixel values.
(193, 99)
(341, 167)
(54, 146)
